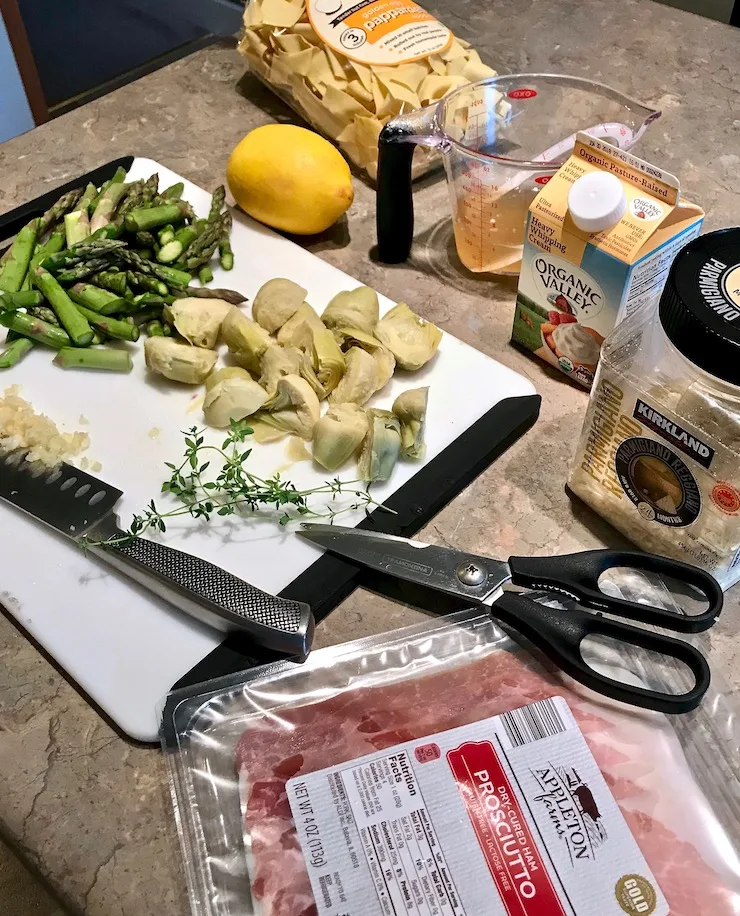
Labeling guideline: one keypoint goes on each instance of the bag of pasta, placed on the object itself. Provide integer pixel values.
(348, 66)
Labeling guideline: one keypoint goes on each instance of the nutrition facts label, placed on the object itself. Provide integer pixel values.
(400, 844)
(508, 816)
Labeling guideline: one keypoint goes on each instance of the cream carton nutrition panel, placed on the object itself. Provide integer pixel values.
(600, 238)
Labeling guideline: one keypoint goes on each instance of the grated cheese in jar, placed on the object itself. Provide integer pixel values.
(22, 428)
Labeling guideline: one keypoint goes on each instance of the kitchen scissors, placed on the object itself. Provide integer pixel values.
(558, 633)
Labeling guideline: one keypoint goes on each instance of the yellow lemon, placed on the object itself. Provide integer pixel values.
(290, 178)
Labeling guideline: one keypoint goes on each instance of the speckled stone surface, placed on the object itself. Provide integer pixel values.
(92, 811)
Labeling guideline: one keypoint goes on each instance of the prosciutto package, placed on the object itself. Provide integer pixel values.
(232, 750)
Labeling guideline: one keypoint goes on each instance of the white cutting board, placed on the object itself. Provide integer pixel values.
(124, 647)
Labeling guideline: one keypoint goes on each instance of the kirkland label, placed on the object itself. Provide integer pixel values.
(509, 816)
(673, 433)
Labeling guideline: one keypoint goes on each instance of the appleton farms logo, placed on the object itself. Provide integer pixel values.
(572, 810)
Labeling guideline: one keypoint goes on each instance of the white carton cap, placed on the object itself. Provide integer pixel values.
(597, 201)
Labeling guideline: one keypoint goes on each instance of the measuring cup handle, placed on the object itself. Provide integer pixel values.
(394, 200)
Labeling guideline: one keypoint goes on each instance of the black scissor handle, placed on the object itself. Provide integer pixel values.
(559, 634)
(577, 575)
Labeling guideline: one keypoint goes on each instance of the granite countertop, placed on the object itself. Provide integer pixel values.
(90, 810)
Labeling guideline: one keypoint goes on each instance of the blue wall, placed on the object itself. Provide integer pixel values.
(15, 114)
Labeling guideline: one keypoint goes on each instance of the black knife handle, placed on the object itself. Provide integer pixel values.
(212, 595)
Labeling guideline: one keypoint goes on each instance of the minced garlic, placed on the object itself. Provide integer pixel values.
(21, 428)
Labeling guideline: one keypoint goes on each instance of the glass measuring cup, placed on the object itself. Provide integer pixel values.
(501, 139)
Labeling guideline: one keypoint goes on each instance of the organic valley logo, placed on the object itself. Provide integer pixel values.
(572, 810)
(644, 208)
(558, 278)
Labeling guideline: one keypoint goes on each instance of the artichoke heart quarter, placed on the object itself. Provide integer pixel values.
(276, 302)
(178, 361)
(354, 308)
(411, 407)
(198, 320)
(412, 340)
(232, 399)
(328, 359)
(360, 379)
(294, 408)
(338, 435)
(246, 340)
(291, 333)
(382, 446)
(385, 361)
(277, 362)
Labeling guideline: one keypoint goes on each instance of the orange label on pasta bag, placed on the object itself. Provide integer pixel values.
(378, 32)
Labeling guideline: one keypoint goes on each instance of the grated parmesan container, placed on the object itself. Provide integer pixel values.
(659, 455)
(441, 769)
(349, 67)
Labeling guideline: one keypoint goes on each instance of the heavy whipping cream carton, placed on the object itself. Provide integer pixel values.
(600, 238)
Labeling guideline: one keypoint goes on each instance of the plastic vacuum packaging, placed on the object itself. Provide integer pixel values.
(348, 68)
(372, 779)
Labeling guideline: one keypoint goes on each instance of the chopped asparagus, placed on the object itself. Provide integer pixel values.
(150, 313)
(187, 236)
(166, 234)
(88, 196)
(112, 280)
(15, 352)
(131, 201)
(169, 252)
(210, 235)
(81, 271)
(106, 206)
(153, 217)
(28, 326)
(55, 243)
(76, 226)
(99, 300)
(153, 299)
(146, 282)
(226, 255)
(90, 248)
(71, 320)
(112, 327)
(45, 314)
(103, 188)
(25, 299)
(145, 240)
(174, 192)
(217, 203)
(155, 329)
(202, 292)
(56, 212)
(169, 275)
(15, 268)
(205, 274)
(110, 231)
(99, 358)
(150, 189)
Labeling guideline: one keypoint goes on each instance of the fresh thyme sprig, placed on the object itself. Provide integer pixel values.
(236, 491)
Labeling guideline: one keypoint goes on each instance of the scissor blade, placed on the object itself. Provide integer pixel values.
(439, 568)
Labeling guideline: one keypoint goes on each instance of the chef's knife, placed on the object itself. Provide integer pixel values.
(80, 506)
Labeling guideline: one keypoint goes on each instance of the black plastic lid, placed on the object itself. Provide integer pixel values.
(700, 304)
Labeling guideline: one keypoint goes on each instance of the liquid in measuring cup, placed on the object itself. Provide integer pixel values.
(489, 221)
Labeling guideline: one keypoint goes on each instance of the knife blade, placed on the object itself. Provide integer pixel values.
(81, 506)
